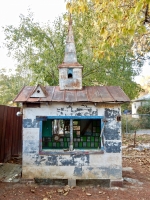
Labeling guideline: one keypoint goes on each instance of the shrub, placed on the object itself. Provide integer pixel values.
(131, 124)
(145, 109)
(145, 114)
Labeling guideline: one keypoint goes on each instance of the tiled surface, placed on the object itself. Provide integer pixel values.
(10, 172)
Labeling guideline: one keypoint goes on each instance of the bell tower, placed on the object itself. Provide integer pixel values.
(70, 71)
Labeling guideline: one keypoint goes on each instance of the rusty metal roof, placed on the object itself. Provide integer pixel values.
(97, 94)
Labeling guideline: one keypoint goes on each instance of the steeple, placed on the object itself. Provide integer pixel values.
(70, 71)
(70, 50)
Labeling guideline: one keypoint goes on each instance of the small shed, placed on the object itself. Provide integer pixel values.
(70, 131)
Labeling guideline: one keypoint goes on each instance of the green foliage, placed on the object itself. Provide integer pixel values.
(10, 86)
(144, 112)
(37, 48)
(114, 20)
(115, 68)
(145, 122)
(40, 49)
(145, 109)
(129, 124)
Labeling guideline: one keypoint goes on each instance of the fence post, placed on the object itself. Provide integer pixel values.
(126, 124)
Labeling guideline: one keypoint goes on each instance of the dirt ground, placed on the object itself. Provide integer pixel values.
(136, 184)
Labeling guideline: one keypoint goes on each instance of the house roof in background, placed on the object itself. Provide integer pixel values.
(143, 98)
(97, 94)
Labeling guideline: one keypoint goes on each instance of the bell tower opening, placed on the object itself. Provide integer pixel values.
(70, 73)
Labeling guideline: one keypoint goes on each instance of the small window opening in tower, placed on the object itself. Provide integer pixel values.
(70, 73)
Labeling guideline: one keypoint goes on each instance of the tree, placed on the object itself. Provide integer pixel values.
(145, 84)
(41, 49)
(144, 109)
(118, 66)
(10, 85)
(37, 49)
(114, 19)
(144, 112)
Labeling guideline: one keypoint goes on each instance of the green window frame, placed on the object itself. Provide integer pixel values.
(86, 134)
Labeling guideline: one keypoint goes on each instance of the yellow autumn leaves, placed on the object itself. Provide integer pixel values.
(114, 21)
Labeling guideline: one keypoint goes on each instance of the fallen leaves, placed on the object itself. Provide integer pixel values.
(88, 194)
(50, 193)
(65, 190)
(60, 191)
(65, 193)
(100, 192)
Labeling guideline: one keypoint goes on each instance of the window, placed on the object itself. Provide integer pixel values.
(70, 73)
(56, 133)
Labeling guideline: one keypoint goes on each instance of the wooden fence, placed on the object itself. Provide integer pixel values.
(10, 133)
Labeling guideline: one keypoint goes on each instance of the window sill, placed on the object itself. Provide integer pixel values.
(67, 152)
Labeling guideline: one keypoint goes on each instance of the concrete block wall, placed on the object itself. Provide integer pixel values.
(87, 164)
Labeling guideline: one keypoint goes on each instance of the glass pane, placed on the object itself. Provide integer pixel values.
(47, 128)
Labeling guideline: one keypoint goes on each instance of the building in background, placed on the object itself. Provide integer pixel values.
(139, 102)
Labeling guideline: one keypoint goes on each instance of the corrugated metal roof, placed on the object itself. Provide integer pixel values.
(87, 94)
(146, 97)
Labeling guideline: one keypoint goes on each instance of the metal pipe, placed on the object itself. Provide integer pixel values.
(71, 135)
